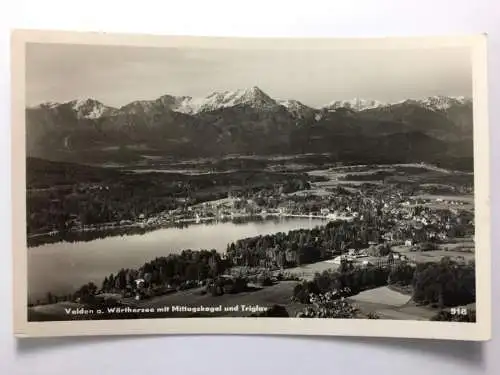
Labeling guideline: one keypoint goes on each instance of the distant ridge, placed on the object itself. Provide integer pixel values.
(252, 96)
(249, 121)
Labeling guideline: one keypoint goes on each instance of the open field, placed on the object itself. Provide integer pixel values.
(308, 271)
(437, 255)
(443, 202)
(467, 198)
(395, 173)
(436, 205)
(389, 304)
(262, 298)
(389, 296)
(226, 163)
(55, 308)
(279, 293)
(463, 249)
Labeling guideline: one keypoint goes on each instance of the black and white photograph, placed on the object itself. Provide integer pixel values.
(224, 178)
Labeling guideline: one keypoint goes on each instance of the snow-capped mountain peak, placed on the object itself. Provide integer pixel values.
(355, 104)
(435, 103)
(252, 96)
(138, 106)
(176, 103)
(89, 108)
(295, 107)
(291, 104)
(442, 103)
(48, 105)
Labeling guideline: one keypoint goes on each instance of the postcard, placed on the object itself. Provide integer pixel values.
(291, 186)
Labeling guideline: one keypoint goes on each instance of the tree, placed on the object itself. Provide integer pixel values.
(192, 272)
(345, 265)
(105, 284)
(214, 266)
(111, 282)
(92, 288)
(50, 298)
(330, 309)
(86, 291)
(265, 280)
(402, 274)
(446, 283)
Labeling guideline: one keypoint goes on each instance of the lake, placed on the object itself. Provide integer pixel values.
(63, 267)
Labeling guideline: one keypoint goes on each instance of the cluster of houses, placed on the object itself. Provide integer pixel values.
(359, 257)
(398, 216)
(352, 255)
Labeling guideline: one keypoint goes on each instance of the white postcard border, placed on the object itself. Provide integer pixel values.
(479, 331)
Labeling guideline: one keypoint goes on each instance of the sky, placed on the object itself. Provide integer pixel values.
(117, 75)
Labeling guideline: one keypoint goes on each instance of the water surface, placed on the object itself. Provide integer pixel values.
(63, 267)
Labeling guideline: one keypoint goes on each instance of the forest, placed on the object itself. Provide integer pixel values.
(299, 247)
(443, 284)
(62, 196)
(304, 246)
(161, 275)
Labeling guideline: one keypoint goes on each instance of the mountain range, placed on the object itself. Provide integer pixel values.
(248, 121)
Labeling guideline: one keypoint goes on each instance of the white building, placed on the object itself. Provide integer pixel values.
(352, 252)
(340, 258)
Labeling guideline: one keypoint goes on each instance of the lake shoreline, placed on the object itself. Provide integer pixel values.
(65, 266)
(39, 239)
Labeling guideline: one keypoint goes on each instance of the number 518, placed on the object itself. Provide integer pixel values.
(458, 311)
